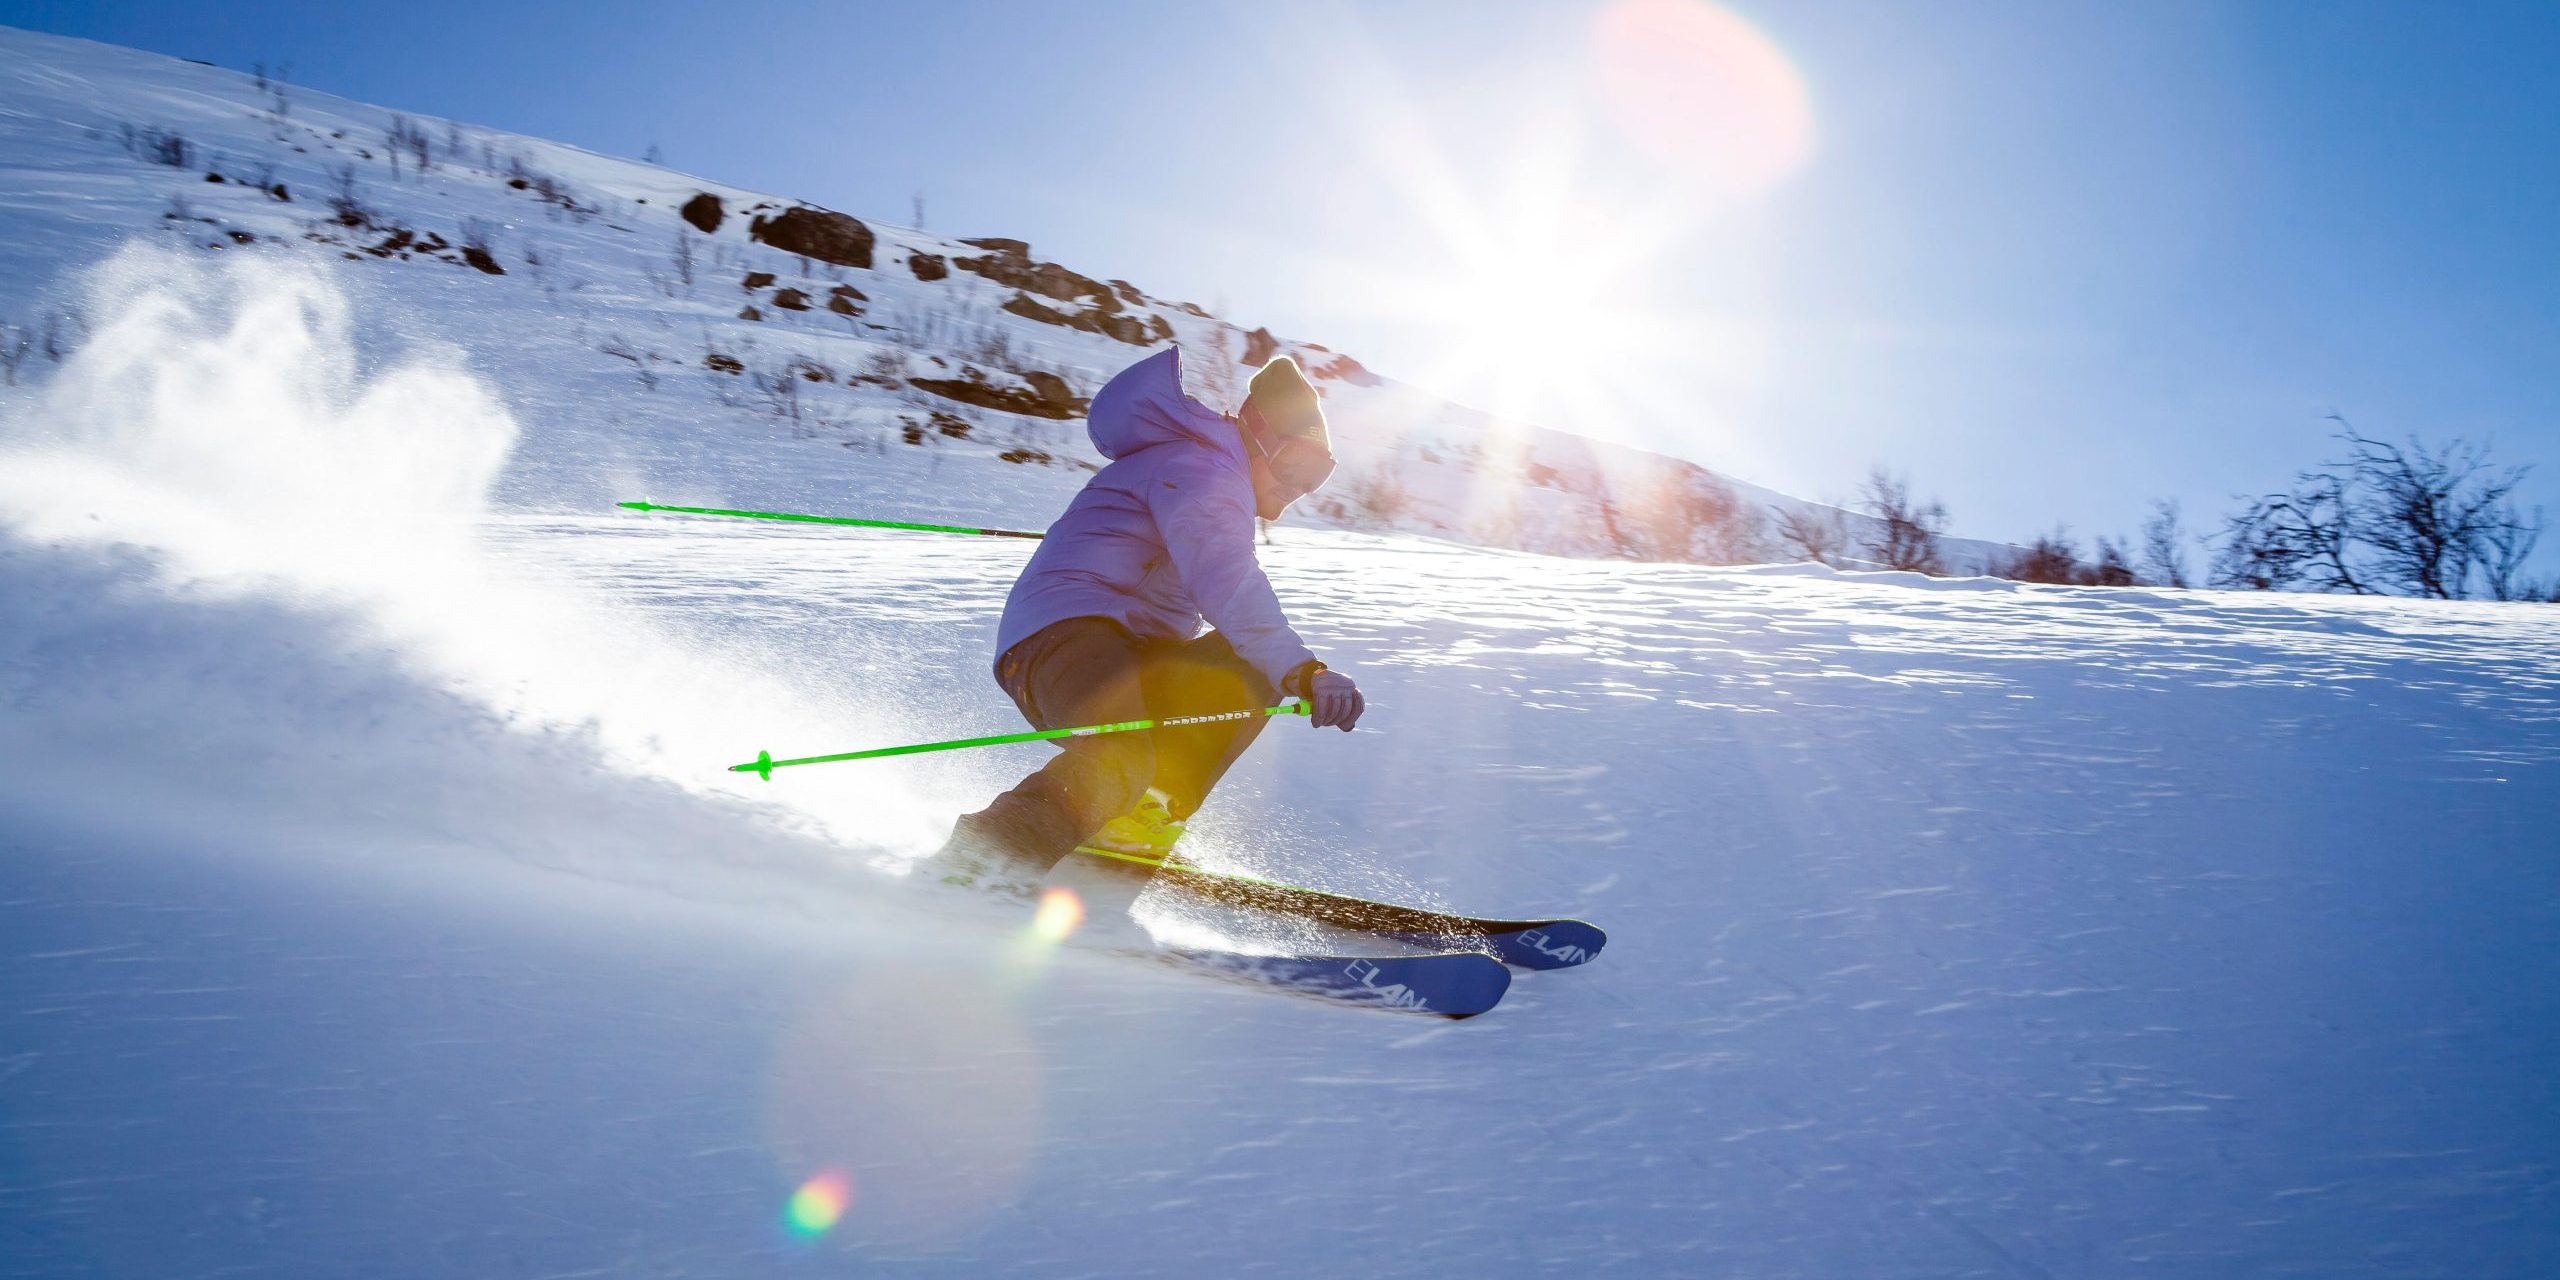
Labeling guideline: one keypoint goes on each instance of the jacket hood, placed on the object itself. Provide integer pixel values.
(1143, 406)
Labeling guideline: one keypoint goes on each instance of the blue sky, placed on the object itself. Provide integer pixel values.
(2052, 260)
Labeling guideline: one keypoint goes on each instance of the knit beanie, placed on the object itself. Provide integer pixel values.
(1286, 403)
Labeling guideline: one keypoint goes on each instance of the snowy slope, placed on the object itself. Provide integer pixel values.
(373, 899)
(621, 325)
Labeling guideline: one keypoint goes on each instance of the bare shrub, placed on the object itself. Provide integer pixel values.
(621, 348)
(1375, 492)
(2111, 569)
(2434, 521)
(682, 256)
(155, 145)
(1816, 534)
(1694, 516)
(2051, 558)
(988, 343)
(883, 366)
(346, 197)
(405, 137)
(1906, 532)
(2164, 546)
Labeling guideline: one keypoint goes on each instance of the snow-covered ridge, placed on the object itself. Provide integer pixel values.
(618, 296)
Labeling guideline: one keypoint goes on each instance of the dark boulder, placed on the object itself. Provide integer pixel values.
(791, 300)
(928, 266)
(812, 232)
(1125, 328)
(1046, 395)
(1259, 347)
(704, 212)
(1013, 266)
(756, 280)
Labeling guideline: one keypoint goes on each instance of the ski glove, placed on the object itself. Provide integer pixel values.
(1334, 700)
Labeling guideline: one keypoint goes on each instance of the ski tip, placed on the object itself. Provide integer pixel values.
(1491, 981)
(1550, 944)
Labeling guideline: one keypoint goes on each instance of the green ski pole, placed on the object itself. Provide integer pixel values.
(764, 764)
(867, 524)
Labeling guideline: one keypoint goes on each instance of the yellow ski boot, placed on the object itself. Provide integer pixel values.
(1147, 830)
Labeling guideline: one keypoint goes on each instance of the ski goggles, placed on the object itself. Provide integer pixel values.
(1298, 462)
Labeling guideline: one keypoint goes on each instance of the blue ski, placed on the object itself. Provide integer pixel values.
(1528, 944)
(1459, 984)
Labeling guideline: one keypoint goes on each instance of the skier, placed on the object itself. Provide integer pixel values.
(1104, 625)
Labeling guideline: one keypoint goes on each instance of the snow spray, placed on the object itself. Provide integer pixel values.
(233, 421)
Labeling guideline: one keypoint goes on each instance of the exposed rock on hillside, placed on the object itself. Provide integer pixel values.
(1043, 395)
(1259, 347)
(1009, 262)
(818, 233)
(704, 212)
(1346, 369)
(1126, 328)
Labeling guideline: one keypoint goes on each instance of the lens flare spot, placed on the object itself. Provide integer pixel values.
(816, 1206)
(1705, 92)
(1059, 913)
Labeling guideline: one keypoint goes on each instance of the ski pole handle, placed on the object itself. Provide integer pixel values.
(764, 764)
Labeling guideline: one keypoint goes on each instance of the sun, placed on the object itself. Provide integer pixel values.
(1538, 283)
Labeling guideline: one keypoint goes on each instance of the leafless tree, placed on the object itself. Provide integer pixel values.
(1816, 534)
(2435, 521)
(2503, 550)
(1906, 532)
(2164, 546)
(2432, 513)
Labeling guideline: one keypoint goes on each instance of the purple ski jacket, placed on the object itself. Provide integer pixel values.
(1163, 536)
